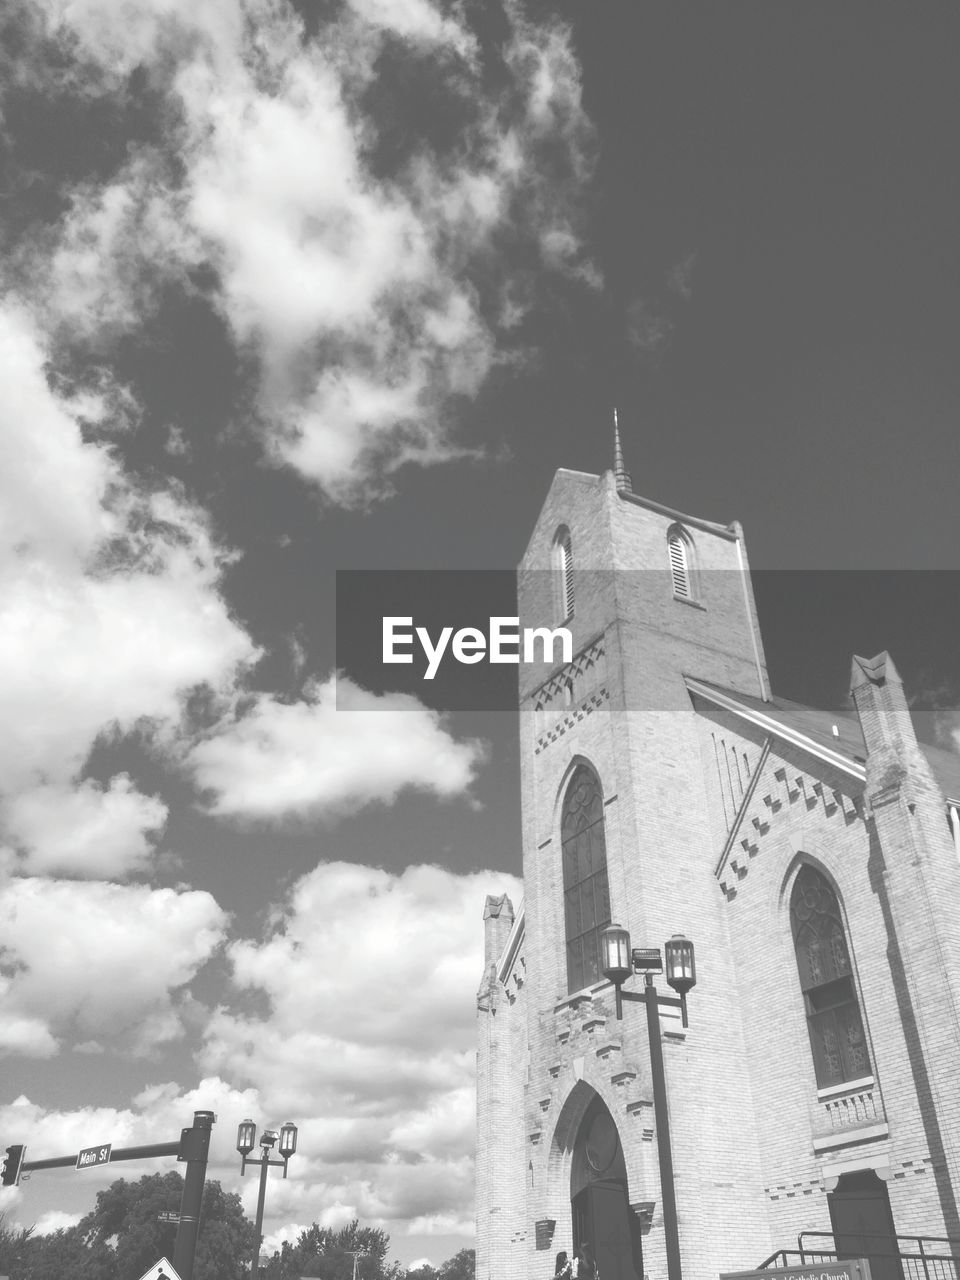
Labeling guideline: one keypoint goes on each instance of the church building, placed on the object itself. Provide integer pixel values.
(812, 857)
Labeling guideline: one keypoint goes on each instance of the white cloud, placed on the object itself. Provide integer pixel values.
(419, 21)
(130, 231)
(87, 830)
(364, 292)
(20, 1032)
(67, 942)
(368, 1042)
(55, 1220)
(287, 1234)
(40, 439)
(81, 655)
(110, 614)
(338, 746)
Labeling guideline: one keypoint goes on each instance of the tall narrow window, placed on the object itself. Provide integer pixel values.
(826, 980)
(679, 555)
(586, 895)
(563, 563)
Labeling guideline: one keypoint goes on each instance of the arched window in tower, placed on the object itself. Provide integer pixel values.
(563, 564)
(834, 1021)
(586, 896)
(680, 554)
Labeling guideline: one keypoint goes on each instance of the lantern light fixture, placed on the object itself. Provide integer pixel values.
(615, 954)
(246, 1137)
(288, 1140)
(681, 965)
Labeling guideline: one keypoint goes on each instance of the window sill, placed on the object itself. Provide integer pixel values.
(850, 1086)
(694, 604)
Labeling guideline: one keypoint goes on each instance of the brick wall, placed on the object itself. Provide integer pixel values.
(501, 1057)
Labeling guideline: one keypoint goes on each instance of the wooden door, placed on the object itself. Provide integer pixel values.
(863, 1223)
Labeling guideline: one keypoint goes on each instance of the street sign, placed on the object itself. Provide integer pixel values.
(848, 1269)
(91, 1156)
(161, 1270)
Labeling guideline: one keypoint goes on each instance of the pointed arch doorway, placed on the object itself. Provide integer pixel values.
(599, 1199)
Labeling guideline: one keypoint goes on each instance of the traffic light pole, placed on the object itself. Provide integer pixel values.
(194, 1146)
(122, 1153)
(192, 1149)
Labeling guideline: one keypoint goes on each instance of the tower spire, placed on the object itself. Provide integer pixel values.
(620, 473)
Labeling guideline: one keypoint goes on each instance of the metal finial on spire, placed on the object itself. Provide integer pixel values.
(621, 475)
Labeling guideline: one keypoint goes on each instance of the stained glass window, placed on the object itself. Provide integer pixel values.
(586, 895)
(826, 979)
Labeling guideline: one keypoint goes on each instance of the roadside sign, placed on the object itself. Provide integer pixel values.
(91, 1156)
(161, 1270)
(848, 1269)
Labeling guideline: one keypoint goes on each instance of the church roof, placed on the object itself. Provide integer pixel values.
(832, 735)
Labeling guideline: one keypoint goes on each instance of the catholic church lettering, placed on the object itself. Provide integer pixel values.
(813, 859)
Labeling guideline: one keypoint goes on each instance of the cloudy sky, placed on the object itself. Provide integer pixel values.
(297, 288)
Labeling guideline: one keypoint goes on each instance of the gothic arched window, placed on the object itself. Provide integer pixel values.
(563, 564)
(679, 554)
(586, 896)
(826, 980)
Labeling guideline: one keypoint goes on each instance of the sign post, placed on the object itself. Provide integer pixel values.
(194, 1145)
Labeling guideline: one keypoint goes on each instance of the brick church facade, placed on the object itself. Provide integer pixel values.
(812, 857)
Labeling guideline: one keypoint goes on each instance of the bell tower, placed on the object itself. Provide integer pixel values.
(616, 828)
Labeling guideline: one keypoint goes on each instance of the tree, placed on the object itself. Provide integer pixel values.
(462, 1266)
(423, 1272)
(123, 1236)
(328, 1254)
(64, 1253)
(12, 1244)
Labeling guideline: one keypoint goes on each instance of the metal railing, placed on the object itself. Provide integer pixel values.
(920, 1257)
(793, 1258)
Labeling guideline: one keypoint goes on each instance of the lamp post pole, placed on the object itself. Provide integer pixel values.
(671, 1231)
(619, 962)
(246, 1141)
(258, 1233)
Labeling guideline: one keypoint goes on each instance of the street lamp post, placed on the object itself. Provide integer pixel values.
(619, 962)
(246, 1141)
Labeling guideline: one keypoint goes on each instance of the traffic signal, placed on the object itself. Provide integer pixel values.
(12, 1166)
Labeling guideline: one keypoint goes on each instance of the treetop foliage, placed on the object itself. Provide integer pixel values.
(123, 1236)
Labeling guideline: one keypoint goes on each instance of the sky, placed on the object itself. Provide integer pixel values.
(292, 289)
